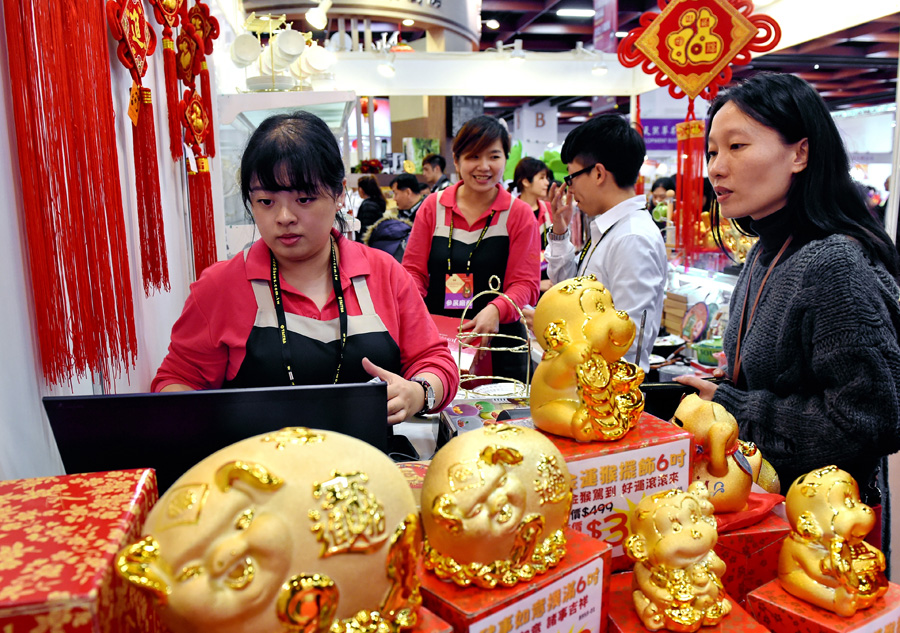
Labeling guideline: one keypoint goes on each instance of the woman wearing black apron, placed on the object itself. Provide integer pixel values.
(471, 232)
(301, 305)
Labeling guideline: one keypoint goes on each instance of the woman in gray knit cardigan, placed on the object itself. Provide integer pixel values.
(812, 338)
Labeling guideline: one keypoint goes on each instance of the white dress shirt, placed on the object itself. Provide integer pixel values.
(628, 256)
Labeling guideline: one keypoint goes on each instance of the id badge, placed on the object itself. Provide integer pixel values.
(458, 291)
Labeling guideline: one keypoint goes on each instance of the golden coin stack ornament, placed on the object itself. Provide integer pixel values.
(581, 388)
(677, 574)
(297, 530)
(825, 560)
(495, 502)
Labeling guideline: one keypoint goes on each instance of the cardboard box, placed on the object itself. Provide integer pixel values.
(612, 477)
(569, 597)
(675, 297)
(671, 308)
(751, 555)
(775, 608)
(624, 619)
(59, 537)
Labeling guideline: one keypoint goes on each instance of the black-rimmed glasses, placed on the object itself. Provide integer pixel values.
(568, 179)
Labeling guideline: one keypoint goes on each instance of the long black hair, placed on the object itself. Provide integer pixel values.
(822, 199)
(293, 152)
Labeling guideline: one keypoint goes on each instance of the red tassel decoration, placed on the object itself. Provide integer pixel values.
(175, 145)
(72, 202)
(210, 142)
(207, 27)
(167, 14)
(137, 41)
(202, 224)
(154, 262)
(689, 184)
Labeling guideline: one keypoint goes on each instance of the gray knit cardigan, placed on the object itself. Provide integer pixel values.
(821, 362)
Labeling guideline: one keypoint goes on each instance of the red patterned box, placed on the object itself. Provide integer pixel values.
(58, 540)
(624, 619)
(783, 613)
(570, 595)
(751, 555)
(612, 477)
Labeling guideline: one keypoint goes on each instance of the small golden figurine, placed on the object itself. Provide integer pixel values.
(297, 530)
(727, 465)
(825, 560)
(677, 583)
(581, 389)
(495, 502)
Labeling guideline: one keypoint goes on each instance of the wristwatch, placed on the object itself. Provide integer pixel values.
(429, 395)
(557, 237)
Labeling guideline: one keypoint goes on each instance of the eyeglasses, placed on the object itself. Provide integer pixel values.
(568, 179)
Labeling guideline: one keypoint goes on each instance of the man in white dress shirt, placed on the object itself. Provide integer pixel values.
(626, 251)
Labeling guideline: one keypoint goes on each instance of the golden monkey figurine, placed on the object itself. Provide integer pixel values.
(676, 582)
(825, 560)
(724, 463)
(581, 388)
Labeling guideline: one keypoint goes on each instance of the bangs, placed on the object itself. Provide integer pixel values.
(278, 170)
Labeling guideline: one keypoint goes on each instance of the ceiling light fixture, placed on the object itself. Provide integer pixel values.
(575, 13)
(492, 24)
(408, 22)
(318, 16)
(816, 67)
(621, 34)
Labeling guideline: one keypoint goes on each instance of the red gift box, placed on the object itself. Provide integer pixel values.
(569, 595)
(783, 613)
(624, 619)
(59, 537)
(414, 472)
(612, 477)
(428, 622)
(751, 555)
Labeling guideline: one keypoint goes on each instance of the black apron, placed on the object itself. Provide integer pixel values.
(489, 258)
(314, 344)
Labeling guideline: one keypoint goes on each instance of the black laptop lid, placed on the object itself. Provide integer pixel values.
(173, 431)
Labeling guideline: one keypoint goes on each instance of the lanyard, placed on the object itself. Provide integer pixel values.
(282, 321)
(587, 245)
(740, 336)
(472, 252)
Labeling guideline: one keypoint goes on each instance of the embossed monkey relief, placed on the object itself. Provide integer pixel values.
(581, 388)
(495, 502)
(677, 574)
(274, 533)
(825, 560)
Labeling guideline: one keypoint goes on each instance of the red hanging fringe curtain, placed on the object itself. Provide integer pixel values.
(72, 202)
(689, 183)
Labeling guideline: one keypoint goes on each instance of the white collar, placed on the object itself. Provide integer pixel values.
(605, 221)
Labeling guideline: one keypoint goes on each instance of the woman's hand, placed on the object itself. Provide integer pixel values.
(706, 390)
(485, 322)
(405, 398)
(561, 209)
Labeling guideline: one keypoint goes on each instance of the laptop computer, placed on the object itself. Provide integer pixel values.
(171, 432)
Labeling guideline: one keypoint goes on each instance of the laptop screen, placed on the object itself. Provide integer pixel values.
(171, 432)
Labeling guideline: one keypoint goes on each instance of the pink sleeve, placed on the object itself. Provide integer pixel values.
(418, 247)
(194, 358)
(421, 347)
(523, 268)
